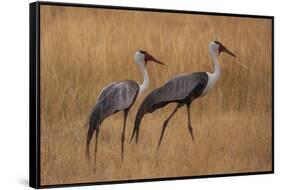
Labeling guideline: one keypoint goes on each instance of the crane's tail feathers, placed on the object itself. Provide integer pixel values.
(137, 127)
(94, 123)
(191, 133)
(137, 136)
(87, 122)
(135, 132)
(89, 138)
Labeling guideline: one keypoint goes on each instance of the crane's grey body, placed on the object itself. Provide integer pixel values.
(117, 96)
(179, 89)
(182, 89)
(121, 94)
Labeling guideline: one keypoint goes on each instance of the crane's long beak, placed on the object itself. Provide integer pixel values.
(229, 52)
(151, 58)
(223, 49)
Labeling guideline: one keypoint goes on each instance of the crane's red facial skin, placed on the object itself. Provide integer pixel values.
(220, 50)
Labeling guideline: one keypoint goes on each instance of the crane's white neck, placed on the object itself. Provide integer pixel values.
(145, 84)
(217, 71)
(212, 77)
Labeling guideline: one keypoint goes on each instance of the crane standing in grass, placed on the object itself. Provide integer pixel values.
(182, 89)
(116, 97)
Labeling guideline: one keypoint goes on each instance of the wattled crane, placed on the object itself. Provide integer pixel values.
(116, 97)
(182, 89)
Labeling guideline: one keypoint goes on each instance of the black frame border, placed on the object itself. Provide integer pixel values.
(34, 93)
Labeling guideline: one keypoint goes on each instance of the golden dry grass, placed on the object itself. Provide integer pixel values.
(83, 49)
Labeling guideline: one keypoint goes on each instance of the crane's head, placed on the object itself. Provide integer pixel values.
(218, 48)
(143, 57)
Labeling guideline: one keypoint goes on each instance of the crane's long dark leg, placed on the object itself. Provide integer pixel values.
(189, 121)
(96, 146)
(167, 121)
(123, 134)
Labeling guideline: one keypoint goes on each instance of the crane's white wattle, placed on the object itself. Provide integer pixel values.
(213, 77)
(139, 59)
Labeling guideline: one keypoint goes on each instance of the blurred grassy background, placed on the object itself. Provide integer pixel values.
(84, 49)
